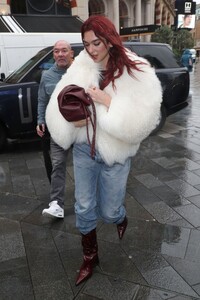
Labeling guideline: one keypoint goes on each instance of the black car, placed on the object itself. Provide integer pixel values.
(18, 92)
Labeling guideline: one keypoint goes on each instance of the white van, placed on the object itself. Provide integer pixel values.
(17, 48)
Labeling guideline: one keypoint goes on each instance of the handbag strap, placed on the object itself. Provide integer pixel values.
(93, 123)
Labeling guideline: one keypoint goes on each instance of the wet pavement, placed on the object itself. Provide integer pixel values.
(159, 256)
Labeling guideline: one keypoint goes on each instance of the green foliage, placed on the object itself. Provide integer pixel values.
(179, 39)
(163, 35)
(182, 40)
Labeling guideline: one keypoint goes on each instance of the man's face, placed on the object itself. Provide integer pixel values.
(62, 54)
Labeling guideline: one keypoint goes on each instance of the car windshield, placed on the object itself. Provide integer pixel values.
(21, 72)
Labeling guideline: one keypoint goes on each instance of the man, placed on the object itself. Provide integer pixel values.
(63, 56)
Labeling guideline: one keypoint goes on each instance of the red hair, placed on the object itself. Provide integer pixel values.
(105, 30)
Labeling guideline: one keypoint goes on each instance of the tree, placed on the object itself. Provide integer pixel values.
(164, 34)
(178, 39)
(182, 40)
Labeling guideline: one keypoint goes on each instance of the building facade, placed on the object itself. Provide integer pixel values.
(197, 29)
(124, 13)
(4, 7)
(129, 12)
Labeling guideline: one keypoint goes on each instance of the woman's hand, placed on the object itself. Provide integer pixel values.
(99, 96)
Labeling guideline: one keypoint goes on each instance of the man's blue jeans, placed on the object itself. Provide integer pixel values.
(99, 189)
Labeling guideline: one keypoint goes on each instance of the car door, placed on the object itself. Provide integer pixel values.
(18, 99)
(17, 103)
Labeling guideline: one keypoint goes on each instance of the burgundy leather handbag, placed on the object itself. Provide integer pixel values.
(74, 104)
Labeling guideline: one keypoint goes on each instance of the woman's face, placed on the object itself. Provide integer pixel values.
(98, 50)
(188, 20)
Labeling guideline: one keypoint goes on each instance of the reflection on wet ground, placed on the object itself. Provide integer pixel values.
(159, 257)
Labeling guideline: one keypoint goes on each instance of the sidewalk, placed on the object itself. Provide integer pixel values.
(159, 256)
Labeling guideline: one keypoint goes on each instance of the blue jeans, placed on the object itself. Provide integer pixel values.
(58, 175)
(99, 189)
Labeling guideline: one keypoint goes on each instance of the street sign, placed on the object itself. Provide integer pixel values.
(137, 30)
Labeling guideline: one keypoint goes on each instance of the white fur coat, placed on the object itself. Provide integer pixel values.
(132, 115)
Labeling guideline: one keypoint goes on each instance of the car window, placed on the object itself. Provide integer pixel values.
(36, 72)
(45, 59)
(45, 64)
(159, 56)
(77, 49)
(21, 72)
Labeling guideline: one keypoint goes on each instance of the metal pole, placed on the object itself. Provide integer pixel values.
(138, 13)
(116, 14)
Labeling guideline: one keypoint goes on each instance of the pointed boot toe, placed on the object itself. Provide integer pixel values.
(83, 275)
(86, 269)
(121, 228)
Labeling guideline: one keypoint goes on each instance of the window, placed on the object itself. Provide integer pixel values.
(159, 56)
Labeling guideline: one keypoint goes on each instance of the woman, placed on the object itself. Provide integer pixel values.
(187, 19)
(127, 95)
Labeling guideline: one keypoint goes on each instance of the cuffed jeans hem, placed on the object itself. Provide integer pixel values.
(86, 227)
(84, 232)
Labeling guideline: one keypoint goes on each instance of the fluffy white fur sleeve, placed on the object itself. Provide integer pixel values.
(135, 107)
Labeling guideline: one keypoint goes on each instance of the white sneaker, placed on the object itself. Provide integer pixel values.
(54, 210)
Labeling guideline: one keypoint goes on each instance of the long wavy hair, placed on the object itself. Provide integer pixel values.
(105, 30)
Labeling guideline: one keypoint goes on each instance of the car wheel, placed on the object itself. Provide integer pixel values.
(161, 122)
(3, 138)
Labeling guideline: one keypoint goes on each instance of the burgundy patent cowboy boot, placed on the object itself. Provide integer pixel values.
(121, 228)
(90, 256)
